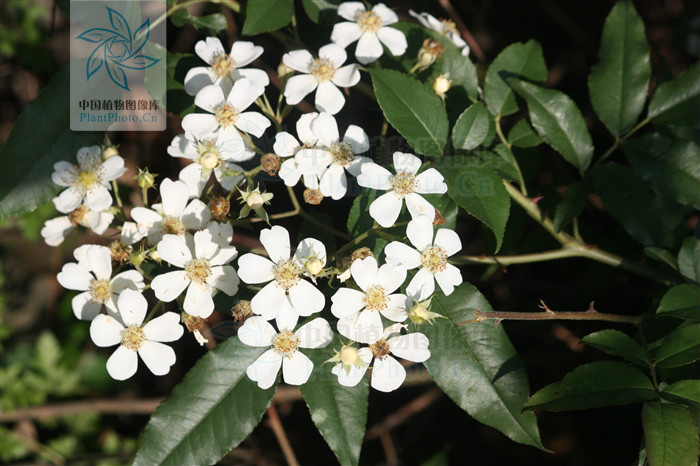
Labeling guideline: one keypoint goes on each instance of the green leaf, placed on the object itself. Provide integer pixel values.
(557, 119)
(413, 109)
(618, 85)
(686, 392)
(320, 10)
(677, 102)
(680, 347)
(472, 127)
(267, 15)
(670, 435)
(522, 60)
(340, 413)
(211, 24)
(617, 343)
(211, 411)
(670, 165)
(631, 201)
(572, 205)
(522, 135)
(28, 155)
(475, 187)
(681, 301)
(662, 255)
(501, 159)
(689, 259)
(477, 367)
(593, 385)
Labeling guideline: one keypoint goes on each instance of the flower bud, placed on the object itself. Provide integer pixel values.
(155, 256)
(254, 200)
(145, 179)
(420, 312)
(429, 53)
(219, 208)
(284, 72)
(109, 151)
(349, 355)
(270, 163)
(313, 196)
(209, 160)
(314, 265)
(442, 84)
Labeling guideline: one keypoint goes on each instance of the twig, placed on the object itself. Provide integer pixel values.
(104, 406)
(392, 458)
(548, 314)
(280, 434)
(402, 414)
(454, 16)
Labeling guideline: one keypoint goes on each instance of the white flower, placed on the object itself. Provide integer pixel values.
(360, 311)
(210, 152)
(56, 229)
(93, 276)
(387, 373)
(287, 145)
(174, 215)
(430, 256)
(296, 366)
(443, 27)
(221, 233)
(325, 73)
(332, 156)
(130, 234)
(404, 185)
(226, 114)
(288, 295)
(203, 272)
(351, 365)
(370, 28)
(134, 338)
(88, 181)
(224, 68)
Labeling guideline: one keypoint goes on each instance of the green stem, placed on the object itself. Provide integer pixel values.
(620, 139)
(480, 316)
(305, 215)
(509, 145)
(650, 359)
(115, 186)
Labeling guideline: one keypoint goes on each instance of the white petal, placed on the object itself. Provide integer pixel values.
(264, 370)
(299, 87)
(299, 60)
(74, 277)
(225, 255)
(130, 233)
(173, 249)
(448, 240)
(99, 259)
(198, 300)
(254, 269)
(63, 173)
(386, 209)
(306, 298)
(404, 161)
(368, 48)
(191, 175)
(350, 10)
(326, 129)
(244, 93)
(448, 279)
(169, 286)
(345, 33)
(394, 40)
(355, 167)
(209, 48)
(396, 309)
(89, 155)
(297, 369)
(84, 307)
(56, 229)
(413, 347)
(256, 331)
(244, 52)
(287, 317)
(276, 243)
(346, 325)
(368, 327)
(315, 334)
(418, 206)
(112, 168)
(374, 176)
(306, 135)
(68, 200)
(427, 20)
(289, 172)
(253, 123)
(398, 253)
(196, 215)
(198, 78)
(313, 160)
(329, 98)
(285, 144)
(430, 182)
(98, 198)
(349, 378)
(204, 247)
(122, 364)
(364, 271)
(388, 16)
(334, 182)
(132, 307)
(224, 278)
(387, 374)
(101, 222)
(346, 76)
(105, 331)
(310, 247)
(130, 279)
(391, 277)
(210, 98)
(335, 53)
(357, 138)
(199, 123)
(157, 356)
(346, 302)
(164, 328)
(221, 233)
(146, 219)
(268, 301)
(420, 232)
(257, 77)
(422, 285)
(174, 195)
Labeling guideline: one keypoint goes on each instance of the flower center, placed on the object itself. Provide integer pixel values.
(286, 343)
(322, 69)
(133, 337)
(369, 22)
(287, 274)
(100, 290)
(86, 178)
(434, 258)
(198, 270)
(209, 160)
(226, 115)
(380, 349)
(342, 153)
(375, 298)
(404, 183)
(172, 226)
(77, 216)
(223, 65)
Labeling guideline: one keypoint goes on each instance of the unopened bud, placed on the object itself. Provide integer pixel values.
(254, 200)
(438, 219)
(120, 253)
(270, 163)
(314, 265)
(145, 179)
(442, 84)
(209, 160)
(219, 208)
(155, 256)
(109, 151)
(242, 311)
(349, 355)
(313, 196)
(429, 53)
(420, 312)
(284, 72)
(360, 254)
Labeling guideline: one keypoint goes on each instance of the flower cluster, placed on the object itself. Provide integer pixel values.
(186, 238)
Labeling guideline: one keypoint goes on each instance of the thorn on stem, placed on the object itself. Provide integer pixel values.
(542, 305)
